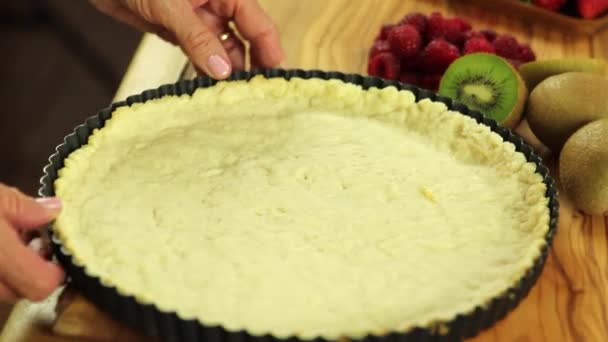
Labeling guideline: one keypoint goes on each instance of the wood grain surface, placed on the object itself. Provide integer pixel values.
(570, 300)
(529, 11)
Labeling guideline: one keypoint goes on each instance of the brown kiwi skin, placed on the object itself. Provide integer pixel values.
(563, 103)
(583, 168)
(535, 72)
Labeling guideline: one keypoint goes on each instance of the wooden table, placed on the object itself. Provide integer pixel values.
(570, 300)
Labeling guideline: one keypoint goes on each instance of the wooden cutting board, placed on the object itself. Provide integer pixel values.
(570, 300)
(531, 12)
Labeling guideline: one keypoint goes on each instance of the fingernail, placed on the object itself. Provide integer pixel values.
(218, 66)
(49, 203)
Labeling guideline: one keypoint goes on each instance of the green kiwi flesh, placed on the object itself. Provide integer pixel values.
(488, 84)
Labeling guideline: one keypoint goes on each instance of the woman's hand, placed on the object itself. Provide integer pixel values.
(24, 273)
(196, 25)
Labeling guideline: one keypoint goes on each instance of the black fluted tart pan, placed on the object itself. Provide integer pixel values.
(168, 326)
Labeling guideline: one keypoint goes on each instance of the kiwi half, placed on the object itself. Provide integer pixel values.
(488, 84)
(535, 72)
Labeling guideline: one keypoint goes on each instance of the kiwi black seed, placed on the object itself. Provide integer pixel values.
(488, 84)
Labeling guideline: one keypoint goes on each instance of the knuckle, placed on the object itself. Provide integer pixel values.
(269, 30)
(11, 201)
(107, 7)
(199, 40)
(227, 7)
(224, 8)
(144, 9)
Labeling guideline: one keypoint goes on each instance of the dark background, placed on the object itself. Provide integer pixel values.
(61, 61)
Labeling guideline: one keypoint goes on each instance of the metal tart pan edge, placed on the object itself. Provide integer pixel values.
(168, 326)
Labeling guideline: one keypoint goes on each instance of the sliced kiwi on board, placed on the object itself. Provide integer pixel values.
(535, 72)
(488, 84)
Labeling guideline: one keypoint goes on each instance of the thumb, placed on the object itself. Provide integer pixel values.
(200, 44)
(25, 212)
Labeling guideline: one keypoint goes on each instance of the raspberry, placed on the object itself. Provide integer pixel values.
(379, 46)
(489, 34)
(591, 9)
(438, 55)
(416, 19)
(551, 5)
(515, 63)
(454, 34)
(526, 54)
(410, 77)
(506, 46)
(383, 34)
(453, 30)
(431, 82)
(412, 64)
(405, 40)
(385, 65)
(435, 26)
(464, 25)
(474, 34)
(478, 44)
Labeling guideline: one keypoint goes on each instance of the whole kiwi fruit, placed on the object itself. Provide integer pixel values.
(563, 103)
(535, 72)
(583, 167)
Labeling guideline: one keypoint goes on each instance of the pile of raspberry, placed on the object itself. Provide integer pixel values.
(419, 48)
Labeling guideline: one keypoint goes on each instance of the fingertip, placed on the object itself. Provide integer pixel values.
(258, 28)
(52, 205)
(200, 44)
(208, 55)
(25, 212)
(270, 53)
(218, 67)
(56, 274)
(266, 61)
(53, 278)
(280, 53)
(279, 59)
(274, 59)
